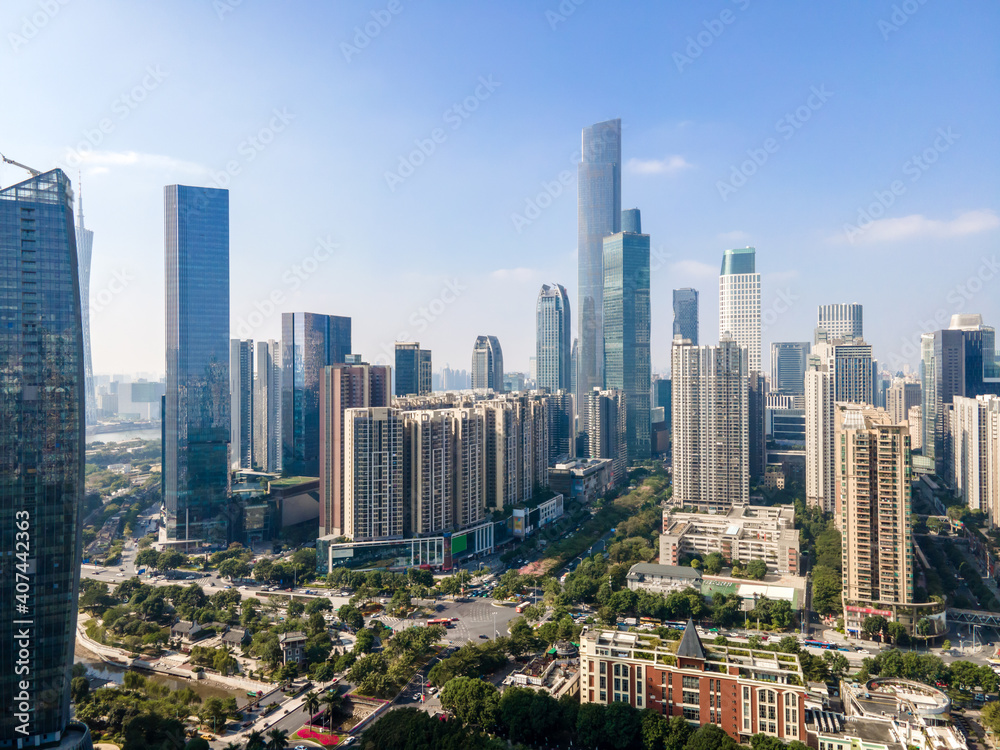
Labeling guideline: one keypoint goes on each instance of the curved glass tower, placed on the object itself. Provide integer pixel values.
(41, 461)
(553, 340)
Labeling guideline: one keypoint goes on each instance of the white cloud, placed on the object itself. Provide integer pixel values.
(918, 226)
(779, 277)
(518, 275)
(687, 268)
(106, 159)
(734, 236)
(668, 165)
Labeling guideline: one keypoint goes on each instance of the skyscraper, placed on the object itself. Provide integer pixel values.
(756, 432)
(606, 429)
(841, 321)
(819, 401)
(788, 367)
(739, 302)
(309, 342)
(710, 424)
(626, 330)
(599, 211)
(413, 369)
(428, 471)
(975, 432)
(84, 252)
(686, 314)
(343, 387)
(900, 397)
(552, 339)
(196, 474)
(267, 406)
(42, 433)
(851, 367)
(487, 364)
(241, 390)
(373, 474)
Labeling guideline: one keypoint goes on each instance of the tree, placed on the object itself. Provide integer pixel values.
(310, 703)
(897, 633)
(255, 740)
(875, 625)
(79, 689)
(214, 712)
(837, 663)
(277, 739)
(945, 645)
(197, 744)
(713, 563)
(331, 705)
(991, 716)
(169, 559)
(765, 742)
(474, 702)
(755, 570)
(789, 644)
(710, 737)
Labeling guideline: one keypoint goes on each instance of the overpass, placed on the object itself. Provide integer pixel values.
(974, 617)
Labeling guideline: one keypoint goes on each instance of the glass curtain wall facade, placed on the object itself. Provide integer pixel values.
(197, 404)
(686, 314)
(553, 340)
(84, 251)
(599, 214)
(42, 435)
(413, 369)
(487, 364)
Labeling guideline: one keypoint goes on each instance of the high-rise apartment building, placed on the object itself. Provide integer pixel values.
(873, 486)
(42, 434)
(606, 430)
(197, 403)
(84, 253)
(788, 367)
(916, 428)
(599, 214)
(343, 387)
(309, 342)
(413, 369)
(373, 474)
(552, 339)
(429, 471)
(627, 330)
(975, 439)
(267, 406)
(901, 396)
(487, 364)
(841, 321)
(241, 391)
(710, 424)
(561, 442)
(819, 416)
(686, 314)
(958, 361)
(470, 466)
(739, 302)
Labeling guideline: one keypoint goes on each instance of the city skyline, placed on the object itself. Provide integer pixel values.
(677, 149)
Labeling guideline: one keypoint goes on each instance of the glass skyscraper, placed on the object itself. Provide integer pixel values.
(553, 339)
(42, 432)
(686, 314)
(197, 404)
(241, 416)
(413, 369)
(788, 367)
(599, 214)
(626, 331)
(487, 364)
(309, 342)
(84, 250)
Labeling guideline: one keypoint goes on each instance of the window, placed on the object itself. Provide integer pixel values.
(690, 683)
(692, 714)
(604, 667)
(689, 696)
(604, 683)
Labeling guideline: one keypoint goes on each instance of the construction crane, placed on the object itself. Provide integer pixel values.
(32, 172)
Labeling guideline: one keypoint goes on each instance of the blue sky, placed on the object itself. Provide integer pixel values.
(777, 125)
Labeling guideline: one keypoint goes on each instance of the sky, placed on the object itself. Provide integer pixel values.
(413, 165)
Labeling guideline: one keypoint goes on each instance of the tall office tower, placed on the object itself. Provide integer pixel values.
(241, 391)
(487, 364)
(309, 342)
(552, 339)
(873, 484)
(820, 470)
(470, 466)
(42, 432)
(739, 302)
(788, 367)
(626, 330)
(851, 367)
(710, 424)
(428, 471)
(196, 473)
(343, 387)
(756, 403)
(913, 417)
(841, 321)
(975, 432)
(267, 406)
(373, 474)
(599, 214)
(84, 253)
(958, 361)
(606, 430)
(413, 369)
(686, 314)
(574, 361)
(901, 396)
(561, 442)
(533, 364)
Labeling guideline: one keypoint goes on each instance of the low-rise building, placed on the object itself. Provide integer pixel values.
(236, 637)
(746, 532)
(744, 691)
(185, 630)
(293, 647)
(662, 579)
(582, 479)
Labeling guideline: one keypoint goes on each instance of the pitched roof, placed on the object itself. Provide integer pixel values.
(690, 645)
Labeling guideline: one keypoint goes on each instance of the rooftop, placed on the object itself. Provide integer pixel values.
(664, 571)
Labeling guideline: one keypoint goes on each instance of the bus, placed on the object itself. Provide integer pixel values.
(444, 622)
(521, 607)
(650, 622)
(820, 644)
(675, 624)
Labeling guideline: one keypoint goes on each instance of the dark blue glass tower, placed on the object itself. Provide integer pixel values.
(196, 425)
(309, 342)
(686, 314)
(41, 461)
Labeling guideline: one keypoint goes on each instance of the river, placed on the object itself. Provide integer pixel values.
(123, 435)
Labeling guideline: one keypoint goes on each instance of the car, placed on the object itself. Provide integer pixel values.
(864, 651)
(484, 637)
(300, 747)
